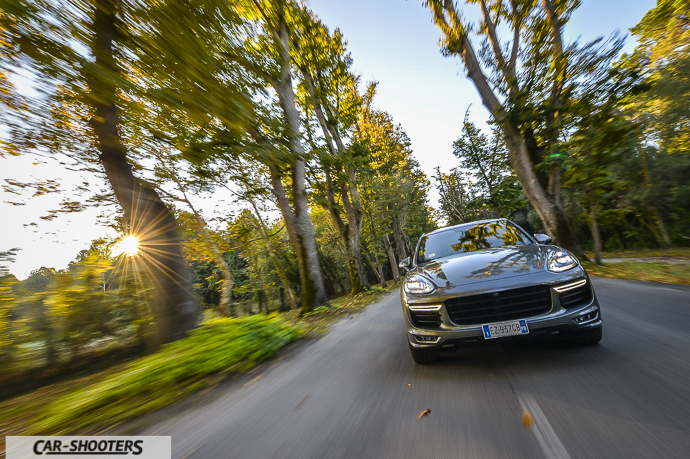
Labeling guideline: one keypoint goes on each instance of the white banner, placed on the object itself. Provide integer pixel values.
(88, 447)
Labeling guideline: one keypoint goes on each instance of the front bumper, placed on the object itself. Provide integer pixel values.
(558, 324)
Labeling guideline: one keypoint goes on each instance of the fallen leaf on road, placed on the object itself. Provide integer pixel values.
(424, 413)
(527, 420)
(409, 385)
(302, 402)
(352, 317)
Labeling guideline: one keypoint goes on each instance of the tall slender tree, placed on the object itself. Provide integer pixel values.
(275, 16)
(331, 93)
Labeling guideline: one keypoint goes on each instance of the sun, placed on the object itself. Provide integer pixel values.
(128, 246)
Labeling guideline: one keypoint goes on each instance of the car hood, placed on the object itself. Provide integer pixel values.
(486, 265)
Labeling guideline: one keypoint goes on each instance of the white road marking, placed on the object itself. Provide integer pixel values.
(546, 437)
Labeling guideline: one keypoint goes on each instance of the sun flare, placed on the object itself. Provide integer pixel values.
(128, 246)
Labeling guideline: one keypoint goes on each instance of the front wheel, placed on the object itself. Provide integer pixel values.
(424, 356)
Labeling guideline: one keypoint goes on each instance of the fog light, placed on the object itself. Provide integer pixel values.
(587, 317)
(426, 338)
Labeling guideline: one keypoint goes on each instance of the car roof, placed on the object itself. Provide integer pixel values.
(463, 225)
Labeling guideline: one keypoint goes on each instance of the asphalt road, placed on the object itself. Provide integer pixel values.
(356, 393)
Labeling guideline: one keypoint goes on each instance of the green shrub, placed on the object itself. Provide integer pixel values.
(221, 346)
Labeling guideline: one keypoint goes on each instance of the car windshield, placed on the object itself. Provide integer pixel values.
(482, 236)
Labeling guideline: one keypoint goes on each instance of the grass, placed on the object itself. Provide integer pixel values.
(655, 272)
(220, 347)
(316, 322)
(672, 252)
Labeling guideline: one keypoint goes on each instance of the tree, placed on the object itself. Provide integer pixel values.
(599, 137)
(393, 188)
(275, 43)
(88, 92)
(596, 145)
(526, 91)
(490, 175)
(457, 202)
(663, 58)
(7, 284)
(331, 92)
(166, 169)
(251, 190)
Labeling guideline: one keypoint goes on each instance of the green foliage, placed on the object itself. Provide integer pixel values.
(393, 187)
(57, 319)
(38, 281)
(483, 185)
(221, 346)
(663, 58)
(7, 284)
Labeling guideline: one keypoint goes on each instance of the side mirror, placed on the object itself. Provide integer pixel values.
(543, 238)
(406, 263)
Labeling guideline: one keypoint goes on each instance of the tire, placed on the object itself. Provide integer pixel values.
(590, 339)
(424, 357)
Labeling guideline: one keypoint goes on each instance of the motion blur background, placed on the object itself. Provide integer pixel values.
(188, 187)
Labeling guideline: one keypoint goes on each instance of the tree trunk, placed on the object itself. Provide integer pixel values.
(225, 307)
(397, 235)
(297, 222)
(665, 239)
(391, 257)
(175, 309)
(374, 242)
(287, 290)
(595, 226)
(358, 274)
(303, 240)
(376, 268)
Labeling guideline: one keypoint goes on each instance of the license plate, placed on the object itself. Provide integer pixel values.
(516, 327)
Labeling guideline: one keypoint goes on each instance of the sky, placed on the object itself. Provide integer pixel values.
(393, 42)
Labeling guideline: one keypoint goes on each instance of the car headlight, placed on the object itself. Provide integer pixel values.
(561, 261)
(417, 284)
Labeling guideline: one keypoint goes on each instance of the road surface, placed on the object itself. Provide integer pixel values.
(357, 394)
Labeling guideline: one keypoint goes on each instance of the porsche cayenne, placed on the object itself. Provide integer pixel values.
(490, 280)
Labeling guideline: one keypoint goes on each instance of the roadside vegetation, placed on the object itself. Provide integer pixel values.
(651, 272)
(667, 265)
(217, 350)
(675, 252)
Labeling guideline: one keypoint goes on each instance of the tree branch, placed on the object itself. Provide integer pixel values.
(559, 55)
(493, 39)
(458, 42)
(516, 40)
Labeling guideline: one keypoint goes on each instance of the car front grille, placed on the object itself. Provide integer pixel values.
(426, 319)
(499, 306)
(576, 296)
